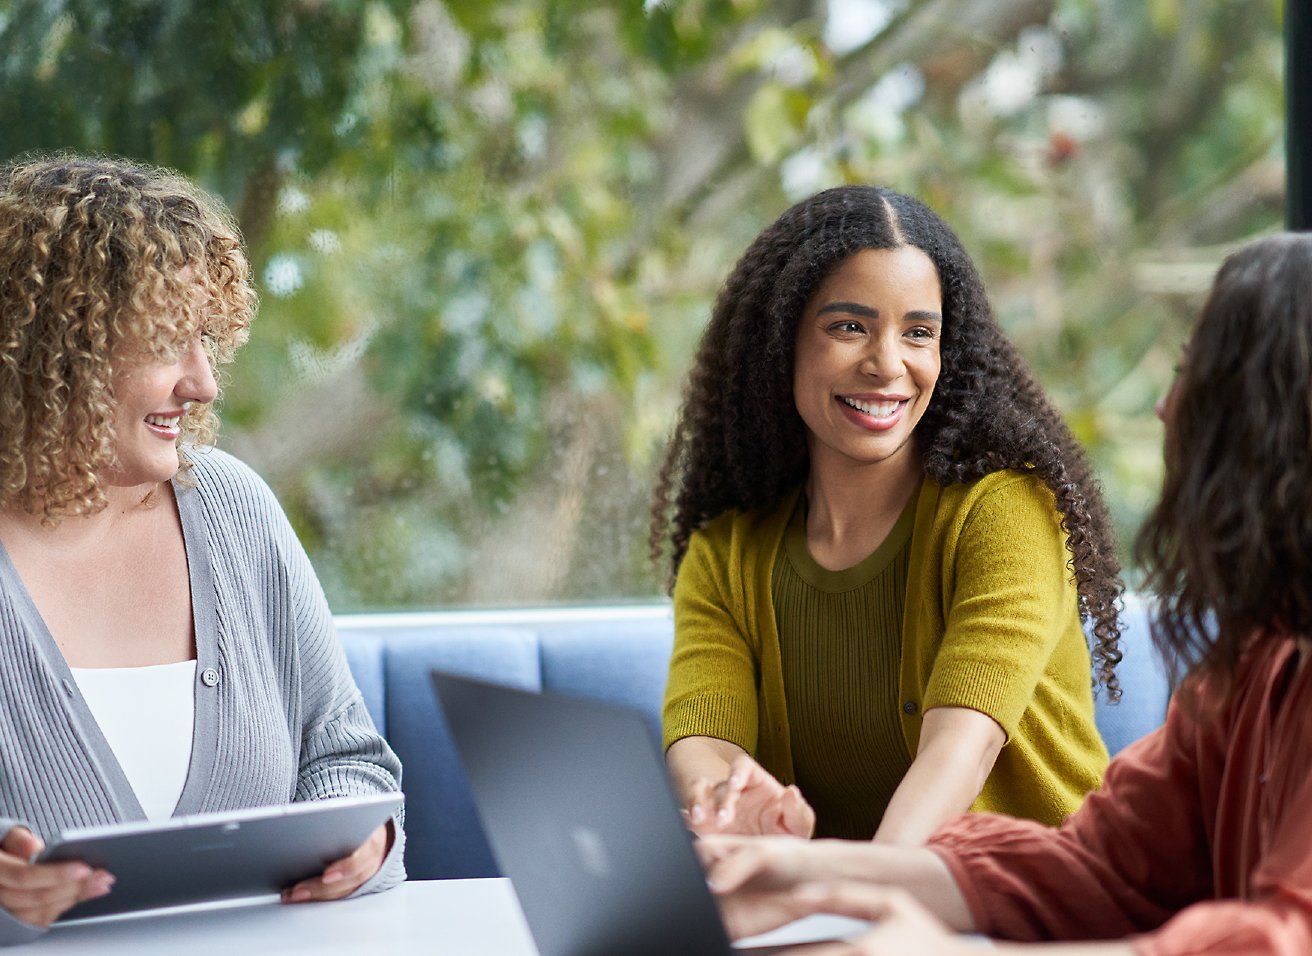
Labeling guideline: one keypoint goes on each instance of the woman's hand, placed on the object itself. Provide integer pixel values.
(749, 801)
(756, 879)
(343, 877)
(38, 893)
(902, 926)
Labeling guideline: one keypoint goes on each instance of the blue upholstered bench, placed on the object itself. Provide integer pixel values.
(617, 655)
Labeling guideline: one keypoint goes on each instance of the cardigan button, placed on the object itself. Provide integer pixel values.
(209, 677)
(909, 707)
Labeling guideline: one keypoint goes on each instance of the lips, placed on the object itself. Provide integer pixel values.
(165, 424)
(873, 415)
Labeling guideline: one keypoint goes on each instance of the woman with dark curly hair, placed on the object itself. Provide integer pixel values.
(882, 542)
(165, 648)
(1200, 840)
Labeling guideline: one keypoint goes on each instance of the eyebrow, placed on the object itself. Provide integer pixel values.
(856, 308)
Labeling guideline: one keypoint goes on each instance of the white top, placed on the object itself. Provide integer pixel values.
(146, 715)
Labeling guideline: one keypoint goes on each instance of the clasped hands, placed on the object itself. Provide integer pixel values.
(38, 893)
(749, 801)
(753, 840)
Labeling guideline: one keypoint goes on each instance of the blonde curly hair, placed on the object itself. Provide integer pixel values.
(103, 262)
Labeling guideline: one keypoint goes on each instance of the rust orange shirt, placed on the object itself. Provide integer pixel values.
(1199, 842)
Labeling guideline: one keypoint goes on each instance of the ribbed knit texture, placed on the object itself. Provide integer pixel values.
(283, 722)
(840, 640)
(990, 622)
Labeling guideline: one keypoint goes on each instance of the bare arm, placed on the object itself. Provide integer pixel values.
(903, 924)
(958, 748)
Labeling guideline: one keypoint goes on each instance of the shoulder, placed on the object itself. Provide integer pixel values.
(214, 470)
(1004, 498)
(231, 495)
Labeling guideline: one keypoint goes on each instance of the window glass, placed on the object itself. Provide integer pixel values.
(488, 235)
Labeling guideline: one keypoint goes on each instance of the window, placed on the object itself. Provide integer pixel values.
(487, 235)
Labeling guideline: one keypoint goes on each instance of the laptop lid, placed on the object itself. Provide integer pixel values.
(579, 812)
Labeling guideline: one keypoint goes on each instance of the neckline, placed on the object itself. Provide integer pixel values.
(859, 574)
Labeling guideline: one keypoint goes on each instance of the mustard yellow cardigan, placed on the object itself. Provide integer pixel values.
(991, 623)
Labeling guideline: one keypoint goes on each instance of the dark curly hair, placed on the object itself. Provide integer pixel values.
(987, 413)
(1228, 548)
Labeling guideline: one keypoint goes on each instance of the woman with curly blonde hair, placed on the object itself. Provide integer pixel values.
(165, 647)
(883, 539)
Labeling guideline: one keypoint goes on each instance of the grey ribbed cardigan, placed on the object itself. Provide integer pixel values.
(278, 716)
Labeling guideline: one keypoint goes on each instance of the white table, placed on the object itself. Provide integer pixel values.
(442, 917)
(446, 917)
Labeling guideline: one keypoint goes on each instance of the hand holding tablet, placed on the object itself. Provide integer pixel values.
(221, 856)
(38, 893)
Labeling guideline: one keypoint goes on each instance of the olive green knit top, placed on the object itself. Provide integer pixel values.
(840, 637)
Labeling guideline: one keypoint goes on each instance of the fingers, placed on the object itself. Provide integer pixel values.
(703, 806)
(715, 846)
(733, 867)
(22, 843)
(749, 800)
(796, 815)
(342, 877)
(39, 893)
(860, 900)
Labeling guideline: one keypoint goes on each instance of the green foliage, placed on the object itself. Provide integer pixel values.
(487, 235)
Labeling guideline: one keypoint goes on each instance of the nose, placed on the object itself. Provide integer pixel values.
(197, 382)
(882, 359)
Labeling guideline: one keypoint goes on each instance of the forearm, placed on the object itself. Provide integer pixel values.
(957, 752)
(929, 795)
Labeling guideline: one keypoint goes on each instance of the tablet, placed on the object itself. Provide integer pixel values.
(219, 856)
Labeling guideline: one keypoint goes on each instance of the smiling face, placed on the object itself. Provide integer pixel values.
(151, 395)
(867, 357)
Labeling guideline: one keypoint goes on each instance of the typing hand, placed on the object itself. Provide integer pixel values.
(902, 925)
(38, 893)
(343, 877)
(749, 802)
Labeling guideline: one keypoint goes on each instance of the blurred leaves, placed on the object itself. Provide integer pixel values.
(487, 235)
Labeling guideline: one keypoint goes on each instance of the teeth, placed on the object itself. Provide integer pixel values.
(163, 421)
(877, 409)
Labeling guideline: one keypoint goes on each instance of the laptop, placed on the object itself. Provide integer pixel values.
(580, 815)
(207, 857)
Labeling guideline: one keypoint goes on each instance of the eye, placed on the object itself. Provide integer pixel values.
(922, 333)
(847, 327)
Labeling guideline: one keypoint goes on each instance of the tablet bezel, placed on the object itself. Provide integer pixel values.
(211, 857)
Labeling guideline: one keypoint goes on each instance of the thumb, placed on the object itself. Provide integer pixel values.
(22, 842)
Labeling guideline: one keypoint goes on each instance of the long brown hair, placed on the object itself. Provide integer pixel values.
(1228, 549)
(740, 443)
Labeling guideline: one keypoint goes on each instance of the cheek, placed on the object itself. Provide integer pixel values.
(927, 368)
